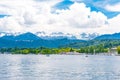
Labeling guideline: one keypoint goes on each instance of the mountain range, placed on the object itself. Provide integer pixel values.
(32, 40)
(40, 39)
(56, 35)
(108, 36)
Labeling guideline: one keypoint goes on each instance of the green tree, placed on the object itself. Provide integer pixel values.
(118, 49)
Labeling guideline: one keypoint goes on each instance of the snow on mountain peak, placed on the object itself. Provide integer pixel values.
(56, 35)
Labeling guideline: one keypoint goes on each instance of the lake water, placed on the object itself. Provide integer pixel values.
(59, 67)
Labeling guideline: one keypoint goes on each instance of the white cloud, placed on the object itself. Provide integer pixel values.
(114, 8)
(36, 15)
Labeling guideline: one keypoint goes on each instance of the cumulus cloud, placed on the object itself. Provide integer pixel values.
(114, 8)
(81, 16)
(40, 15)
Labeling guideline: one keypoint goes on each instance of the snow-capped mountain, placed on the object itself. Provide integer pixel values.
(88, 36)
(49, 40)
(59, 35)
(32, 40)
(9, 34)
(56, 35)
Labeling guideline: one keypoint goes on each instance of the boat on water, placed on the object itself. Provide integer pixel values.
(86, 56)
(47, 55)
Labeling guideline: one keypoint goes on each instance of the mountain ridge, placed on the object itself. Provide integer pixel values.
(56, 35)
(32, 40)
(109, 36)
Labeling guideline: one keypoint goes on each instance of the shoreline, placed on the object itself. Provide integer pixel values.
(66, 53)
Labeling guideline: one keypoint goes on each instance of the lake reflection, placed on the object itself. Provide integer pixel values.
(59, 67)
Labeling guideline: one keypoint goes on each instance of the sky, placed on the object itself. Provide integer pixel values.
(67, 16)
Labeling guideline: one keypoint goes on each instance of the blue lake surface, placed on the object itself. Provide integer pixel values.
(59, 67)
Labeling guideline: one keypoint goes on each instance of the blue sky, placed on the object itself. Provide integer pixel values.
(67, 16)
(3, 15)
(95, 5)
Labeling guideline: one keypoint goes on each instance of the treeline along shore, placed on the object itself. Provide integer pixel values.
(29, 43)
(43, 50)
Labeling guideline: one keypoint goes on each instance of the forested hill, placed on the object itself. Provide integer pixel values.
(107, 40)
(105, 43)
(109, 36)
(29, 40)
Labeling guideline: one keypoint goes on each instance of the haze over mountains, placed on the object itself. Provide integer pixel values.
(40, 39)
(32, 40)
(55, 35)
(109, 36)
